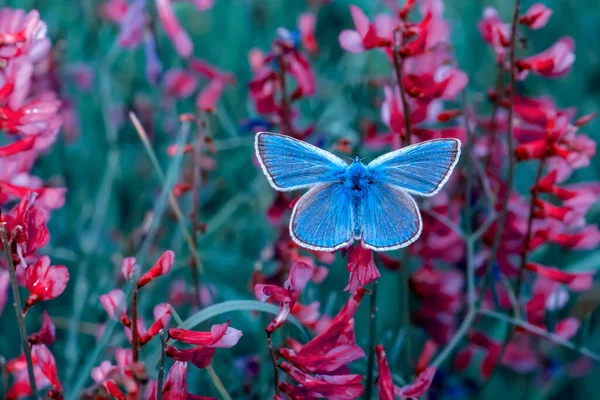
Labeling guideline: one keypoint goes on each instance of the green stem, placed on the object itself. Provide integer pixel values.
(17, 304)
(161, 368)
(372, 340)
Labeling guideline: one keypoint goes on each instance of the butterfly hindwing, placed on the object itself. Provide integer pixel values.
(291, 164)
(323, 218)
(389, 218)
(420, 169)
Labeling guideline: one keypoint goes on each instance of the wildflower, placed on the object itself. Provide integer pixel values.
(306, 26)
(161, 267)
(554, 62)
(220, 336)
(47, 333)
(182, 42)
(45, 282)
(337, 387)
(367, 35)
(362, 268)
(179, 83)
(162, 316)
(114, 305)
(387, 389)
(536, 16)
(300, 274)
(132, 25)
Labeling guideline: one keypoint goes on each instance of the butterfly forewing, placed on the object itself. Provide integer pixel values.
(291, 164)
(323, 219)
(421, 169)
(390, 218)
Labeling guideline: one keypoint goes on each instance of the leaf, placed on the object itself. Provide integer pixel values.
(237, 305)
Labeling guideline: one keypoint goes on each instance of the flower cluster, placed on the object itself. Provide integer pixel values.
(30, 121)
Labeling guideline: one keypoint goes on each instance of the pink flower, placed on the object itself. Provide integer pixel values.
(46, 362)
(334, 387)
(46, 334)
(334, 347)
(367, 36)
(175, 386)
(179, 83)
(45, 282)
(209, 96)
(362, 268)
(494, 31)
(182, 42)
(300, 274)
(387, 389)
(132, 25)
(536, 17)
(306, 26)
(114, 304)
(554, 62)
(220, 336)
(22, 33)
(161, 267)
(129, 267)
(4, 283)
(162, 316)
(113, 10)
(203, 5)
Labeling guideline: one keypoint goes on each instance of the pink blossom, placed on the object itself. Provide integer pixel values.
(129, 267)
(45, 282)
(554, 62)
(306, 26)
(132, 25)
(161, 267)
(536, 16)
(179, 83)
(182, 42)
(366, 36)
(362, 268)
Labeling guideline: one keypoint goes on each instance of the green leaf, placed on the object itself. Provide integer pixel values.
(237, 305)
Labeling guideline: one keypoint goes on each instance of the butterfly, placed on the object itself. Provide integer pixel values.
(347, 202)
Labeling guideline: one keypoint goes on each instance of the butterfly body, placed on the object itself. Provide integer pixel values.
(345, 202)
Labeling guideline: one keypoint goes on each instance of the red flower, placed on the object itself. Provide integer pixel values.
(45, 282)
(333, 348)
(179, 83)
(367, 36)
(387, 389)
(220, 336)
(554, 62)
(46, 334)
(26, 227)
(162, 316)
(46, 362)
(361, 266)
(494, 31)
(161, 267)
(536, 17)
(129, 267)
(577, 281)
(334, 387)
(115, 306)
(300, 274)
(175, 386)
(306, 26)
(181, 40)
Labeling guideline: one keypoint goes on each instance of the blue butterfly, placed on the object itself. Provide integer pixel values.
(345, 202)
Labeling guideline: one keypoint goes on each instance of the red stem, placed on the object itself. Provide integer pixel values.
(274, 362)
(135, 342)
(284, 105)
(398, 67)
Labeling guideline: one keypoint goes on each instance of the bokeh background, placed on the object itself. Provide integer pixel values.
(112, 185)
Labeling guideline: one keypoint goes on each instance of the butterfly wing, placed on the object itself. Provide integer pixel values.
(420, 169)
(291, 164)
(389, 218)
(323, 218)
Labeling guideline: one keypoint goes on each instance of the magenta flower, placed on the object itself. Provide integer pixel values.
(300, 274)
(367, 35)
(387, 389)
(554, 62)
(45, 282)
(362, 268)
(181, 40)
(179, 83)
(161, 267)
(536, 17)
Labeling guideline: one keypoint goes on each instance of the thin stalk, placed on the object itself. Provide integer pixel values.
(196, 183)
(286, 126)
(525, 250)
(161, 366)
(398, 67)
(274, 362)
(509, 139)
(17, 304)
(404, 276)
(135, 339)
(4, 376)
(542, 333)
(372, 340)
(495, 106)
(172, 200)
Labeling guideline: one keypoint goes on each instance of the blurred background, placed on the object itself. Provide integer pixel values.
(112, 185)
